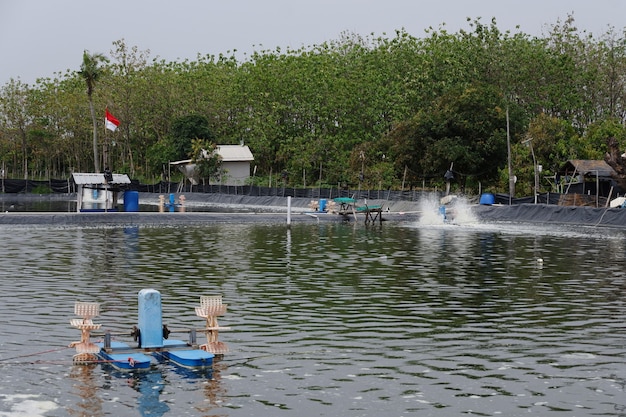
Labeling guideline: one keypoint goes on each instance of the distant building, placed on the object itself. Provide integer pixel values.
(98, 192)
(591, 177)
(584, 182)
(235, 165)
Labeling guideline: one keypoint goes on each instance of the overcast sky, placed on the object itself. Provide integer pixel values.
(41, 37)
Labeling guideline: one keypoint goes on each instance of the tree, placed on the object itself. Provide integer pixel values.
(187, 128)
(208, 161)
(552, 141)
(613, 133)
(15, 116)
(91, 71)
(466, 126)
(413, 105)
(180, 143)
(128, 66)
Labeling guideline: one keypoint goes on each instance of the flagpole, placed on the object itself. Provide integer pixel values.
(104, 162)
(104, 144)
(110, 123)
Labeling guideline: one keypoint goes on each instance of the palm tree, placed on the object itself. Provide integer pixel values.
(91, 71)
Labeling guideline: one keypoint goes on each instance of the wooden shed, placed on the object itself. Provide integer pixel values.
(593, 178)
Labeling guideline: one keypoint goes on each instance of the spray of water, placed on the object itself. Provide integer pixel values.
(429, 210)
(456, 211)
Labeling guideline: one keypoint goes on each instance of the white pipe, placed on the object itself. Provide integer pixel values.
(288, 210)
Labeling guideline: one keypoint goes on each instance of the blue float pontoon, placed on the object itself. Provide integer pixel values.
(151, 336)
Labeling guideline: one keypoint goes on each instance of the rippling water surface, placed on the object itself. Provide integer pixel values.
(327, 320)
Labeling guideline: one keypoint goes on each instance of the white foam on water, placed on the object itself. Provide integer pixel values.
(459, 214)
(429, 211)
(579, 356)
(22, 405)
(458, 211)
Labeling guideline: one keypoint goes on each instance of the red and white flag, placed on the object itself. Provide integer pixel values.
(110, 122)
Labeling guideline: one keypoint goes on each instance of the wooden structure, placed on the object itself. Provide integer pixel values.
(583, 176)
(372, 213)
(85, 349)
(348, 206)
(210, 308)
(576, 199)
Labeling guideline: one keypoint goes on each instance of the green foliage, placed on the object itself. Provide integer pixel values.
(465, 127)
(91, 70)
(597, 134)
(384, 106)
(208, 161)
(554, 142)
(188, 135)
(184, 130)
(159, 156)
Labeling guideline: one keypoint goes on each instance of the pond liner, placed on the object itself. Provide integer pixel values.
(552, 214)
(148, 218)
(95, 219)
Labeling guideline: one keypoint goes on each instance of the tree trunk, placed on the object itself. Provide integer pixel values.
(24, 153)
(96, 158)
(615, 160)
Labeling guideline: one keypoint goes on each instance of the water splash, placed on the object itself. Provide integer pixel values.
(448, 210)
(429, 208)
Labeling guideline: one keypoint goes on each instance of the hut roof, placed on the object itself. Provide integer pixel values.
(587, 167)
(235, 153)
(82, 178)
(228, 153)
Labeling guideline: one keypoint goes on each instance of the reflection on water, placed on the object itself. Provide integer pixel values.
(331, 319)
(152, 389)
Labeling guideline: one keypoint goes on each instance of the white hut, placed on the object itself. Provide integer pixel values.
(235, 160)
(235, 163)
(95, 193)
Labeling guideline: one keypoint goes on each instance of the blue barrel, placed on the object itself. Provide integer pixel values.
(172, 204)
(323, 204)
(150, 320)
(487, 199)
(131, 201)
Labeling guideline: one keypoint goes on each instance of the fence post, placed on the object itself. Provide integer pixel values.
(289, 211)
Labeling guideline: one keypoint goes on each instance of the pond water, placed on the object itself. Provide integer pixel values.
(327, 320)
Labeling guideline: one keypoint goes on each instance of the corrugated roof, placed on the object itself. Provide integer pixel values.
(231, 153)
(588, 166)
(82, 178)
